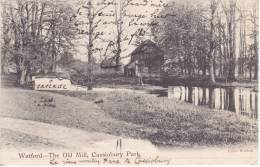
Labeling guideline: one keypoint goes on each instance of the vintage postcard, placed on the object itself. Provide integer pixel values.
(129, 82)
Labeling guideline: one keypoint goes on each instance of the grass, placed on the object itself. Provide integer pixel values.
(65, 111)
(167, 122)
(161, 120)
(179, 124)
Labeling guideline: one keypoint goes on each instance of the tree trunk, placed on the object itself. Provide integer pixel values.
(204, 71)
(220, 48)
(53, 66)
(211, 47)
(23, 73)
(119, 21)
(255, 44)
(211, 72)
(90, 46)
(232, 42)
(190, 93)
(250, 73)
(231, 73)
(189, 71)
(118, 52)
(204, 96)
(211, 97)
(221, 66)
(231, 97)
(256, 71)
(3, 64)
(53, 49)
(22, 78)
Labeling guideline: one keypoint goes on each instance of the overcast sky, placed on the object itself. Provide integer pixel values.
(81, 51)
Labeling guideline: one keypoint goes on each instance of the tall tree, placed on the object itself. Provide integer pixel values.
(61, 32)
(242, 43)
(230, 13)
(6, 38)
(30, 27)
(185, 39)
(212, 43)
(93, 10)
(254, 36)
(120, 9)
(220, 47)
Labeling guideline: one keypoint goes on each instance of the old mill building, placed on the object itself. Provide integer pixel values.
(146, 60)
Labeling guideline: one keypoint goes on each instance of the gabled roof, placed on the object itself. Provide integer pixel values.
(149, 43)
(148, 49)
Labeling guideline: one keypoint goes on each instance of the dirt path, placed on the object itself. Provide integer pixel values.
(70, 138)
(74, 140)
(72, 124)
(47, 138)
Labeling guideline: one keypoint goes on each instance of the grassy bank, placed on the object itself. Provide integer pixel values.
(167, 122)
(158, 119)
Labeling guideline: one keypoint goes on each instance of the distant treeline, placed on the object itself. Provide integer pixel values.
(217, 39)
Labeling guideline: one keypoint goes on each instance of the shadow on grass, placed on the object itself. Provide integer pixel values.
(166, 122)
(172, 123)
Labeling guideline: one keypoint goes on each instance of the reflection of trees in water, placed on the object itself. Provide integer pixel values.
(256, 107)
(230, 93)
(190, 92)
(254, 110)
(204, 96)
(202, 100)
(211, 97)
(251, 102)
(226, 97)
(221, 98)
(243, 102)
(181, 93)
(185, 93)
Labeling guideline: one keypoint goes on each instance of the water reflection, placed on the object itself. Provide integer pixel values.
(242, 101)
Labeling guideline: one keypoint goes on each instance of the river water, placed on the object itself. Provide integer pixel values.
(242, 101)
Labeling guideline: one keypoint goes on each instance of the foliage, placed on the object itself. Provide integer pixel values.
(39, 32)
(184, 37)
(202, 39)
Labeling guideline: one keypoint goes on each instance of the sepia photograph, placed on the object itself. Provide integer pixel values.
(129, 82)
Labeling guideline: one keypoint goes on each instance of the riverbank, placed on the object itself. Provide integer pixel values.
(160, 120)
(204, 82)
(117, 80)
(169, 122)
